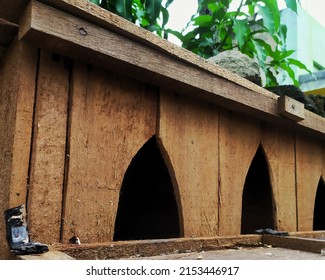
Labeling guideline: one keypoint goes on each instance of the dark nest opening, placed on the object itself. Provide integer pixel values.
(147, 206)
(257, 203)
(319, 208)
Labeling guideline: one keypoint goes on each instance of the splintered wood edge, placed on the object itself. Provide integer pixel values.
(113, 40)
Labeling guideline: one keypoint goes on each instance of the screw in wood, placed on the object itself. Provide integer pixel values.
(83, 31)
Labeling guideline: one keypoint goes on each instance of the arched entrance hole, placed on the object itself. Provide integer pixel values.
(319, 208)
(257, 203)
(147, 206)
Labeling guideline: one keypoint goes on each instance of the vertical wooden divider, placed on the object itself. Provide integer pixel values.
(188, 131)
(112, 117)
(279, 146)
(48, 150)
(17, 89)
(239, 138)
(309, 167)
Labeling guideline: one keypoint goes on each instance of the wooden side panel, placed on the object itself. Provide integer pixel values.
(111, 119)
(279, 147)
(17, 86)
(188, 131)
(48, 154)
(309, 170)
(239, 141)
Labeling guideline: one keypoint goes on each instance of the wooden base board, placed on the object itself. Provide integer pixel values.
(303, 241)
(126, 249)
(307, 243)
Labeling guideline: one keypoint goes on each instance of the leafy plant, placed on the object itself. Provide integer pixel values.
(149, 14)
(254, 28)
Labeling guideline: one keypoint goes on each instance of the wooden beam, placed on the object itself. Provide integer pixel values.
(295, 243)
(132, 54)
(290, 108)
(125, 249)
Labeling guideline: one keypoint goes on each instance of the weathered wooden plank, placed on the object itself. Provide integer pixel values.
(188, 131)
(127, 249)
(17, 85)
(309, 167)
(48, 150)
(111, 119)
(239, 138)
(291, 108)
(279, 147)
(295, 243)
(188, 73)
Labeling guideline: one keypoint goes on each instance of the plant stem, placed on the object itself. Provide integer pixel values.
(230, 27)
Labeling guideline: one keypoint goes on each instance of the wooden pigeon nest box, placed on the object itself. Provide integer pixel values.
(111, 133)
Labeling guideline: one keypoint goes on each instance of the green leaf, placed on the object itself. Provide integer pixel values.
(124, 8)
(283, 32)
(270, 79)
(177, 34)
(260, 52)
(290, 72)
(153, 9)
(168, 3)
(97, 2)
(251, 10)
(292, 4)
(267, 47)
(165, 16)
(298, 64)
(203, 21)
(280, 55)
(268, 18)
(241, 29)
(226, 3)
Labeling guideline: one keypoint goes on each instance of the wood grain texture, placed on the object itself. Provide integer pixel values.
(239, 139)
(295, 243)
(17, 85)
(111, 47)
(11, 10)
(188, 131)
(129, 249)
(48, 151)
(279, 147)
(309, 167)
(111, 119)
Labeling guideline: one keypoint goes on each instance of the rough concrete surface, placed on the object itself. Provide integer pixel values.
(255, 253)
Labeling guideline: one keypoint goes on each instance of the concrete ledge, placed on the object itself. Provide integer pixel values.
(51, 255)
